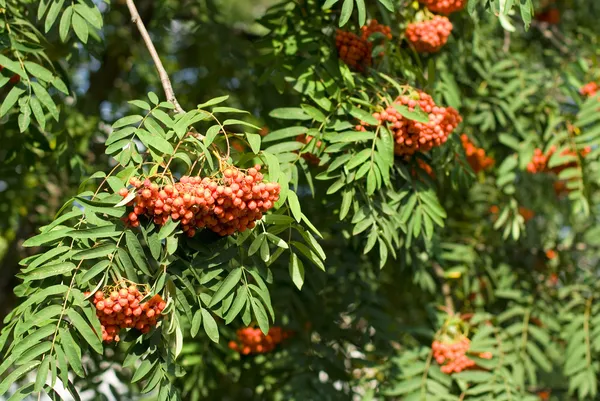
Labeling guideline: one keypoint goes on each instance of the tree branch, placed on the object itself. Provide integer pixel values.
(162, 73)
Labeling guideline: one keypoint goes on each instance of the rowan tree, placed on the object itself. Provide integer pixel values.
(300, 200)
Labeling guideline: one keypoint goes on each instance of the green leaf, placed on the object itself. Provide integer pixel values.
(141, 104)
(314, 113)
(371, 181)
(16, 374)
(211, 134)
(362, 13)
(284, 133)
(232, 279)
(350, 136)
(168, 229)
(55, 8)
(155, 245)
(38, 71)
(153, 98)
(155, 141)
(359, 159)
(388, 4)
(96, 232)
(84, 328)
(347, 8)
(72, 351)
(233, 121)
(290, 113)
(329, 3)
(128, 120)
(25, 345)
(254, 141)
(309, 254)
(416, 115)
(96, 252)
(50, 271)
(137, 252)
(296, 270)
(273, 166)
(294, 203)
(11, 100)
(12, 66)
(45, 98)
(143, 370)
(214, 101)
(256, 244)
(101, 207)
(90, 14)
(125, 260)
(24, 119)
(98, 268)
(475, 376)
(241, 297)
(38, 113)
(363, 116)
(80, 27)
(46, 237)
(347, 198)
(196, 321)
(60, 85)
(42, 374)
(229, 110)
(42, 7)
(210, 326)
(52, 253)
(261, 315)
(404, 387)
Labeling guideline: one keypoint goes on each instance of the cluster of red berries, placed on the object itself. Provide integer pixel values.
(252, 341)
(590, 89)
(476, 156)
(353, 50)
(551, 254)
(539, 162)
(429, 36)
(412, 136)
(375, 27)
(560, 187)
(550, 16)
(425, 167)
(452, 356)
(544, 395)
(527, 214)
(444, 6)
(124, 309)
(309, 157)
(356, 50)
(231, 204)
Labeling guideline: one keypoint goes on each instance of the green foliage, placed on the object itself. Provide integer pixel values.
(367, 257)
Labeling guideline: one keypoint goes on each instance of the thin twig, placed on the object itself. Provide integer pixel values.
(439, 272)
(543, 27)
(164, 77)
(506, 46)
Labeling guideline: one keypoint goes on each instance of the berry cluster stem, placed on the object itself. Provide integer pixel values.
(439, 272)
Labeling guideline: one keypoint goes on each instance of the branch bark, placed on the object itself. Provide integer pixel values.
(162, 73)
